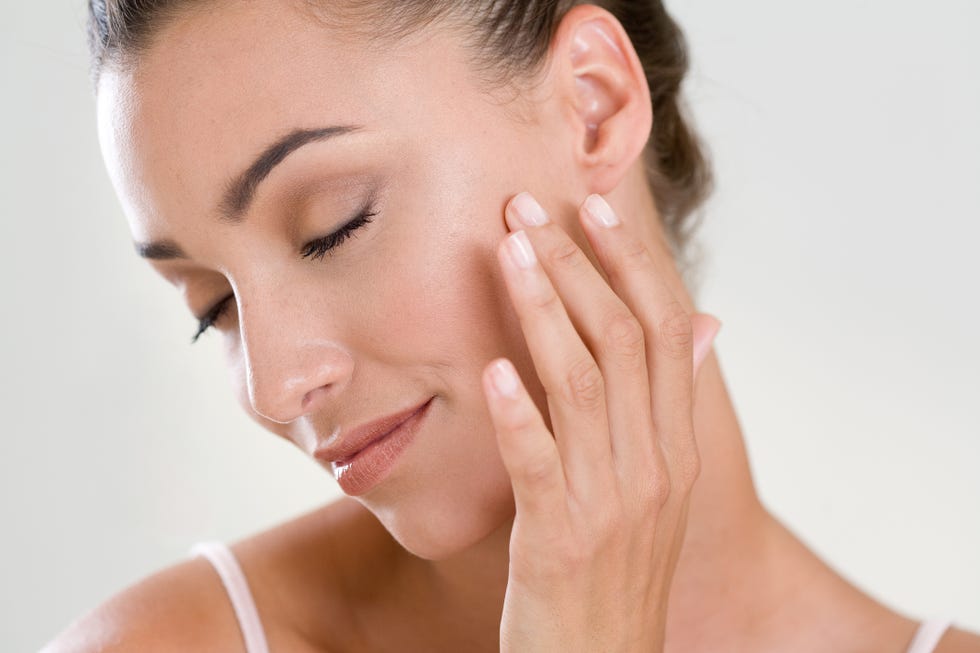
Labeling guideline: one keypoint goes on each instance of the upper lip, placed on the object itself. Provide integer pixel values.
(350, 443)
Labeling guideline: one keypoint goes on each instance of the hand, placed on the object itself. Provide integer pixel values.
(602, 504)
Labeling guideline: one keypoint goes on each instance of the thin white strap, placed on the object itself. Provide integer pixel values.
(928, 635)
(224, 562)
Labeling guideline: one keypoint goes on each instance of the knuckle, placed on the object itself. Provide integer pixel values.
(676, 331)
(657, 490)
(622, 334)
(583, 386)
(691, 468)
(635, 257)
(520, 420)
(565, 253)
(545, 300)
(538, 468)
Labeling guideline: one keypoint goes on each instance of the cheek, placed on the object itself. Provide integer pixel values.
(447, 304)
(458, 316)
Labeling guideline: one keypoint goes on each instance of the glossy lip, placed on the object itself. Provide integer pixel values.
(364, 471)
(359, 438)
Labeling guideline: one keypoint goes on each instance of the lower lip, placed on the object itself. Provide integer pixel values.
(370, 466)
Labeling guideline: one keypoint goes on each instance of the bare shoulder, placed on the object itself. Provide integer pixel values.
(181, 607)
(295, 572)
(956, 640)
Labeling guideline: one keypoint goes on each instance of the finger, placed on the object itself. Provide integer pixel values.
(570, 376)
(526, 447)
(634, 276)
(610, 331)
(706, 327)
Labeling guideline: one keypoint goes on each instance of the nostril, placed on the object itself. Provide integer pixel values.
(311, 396)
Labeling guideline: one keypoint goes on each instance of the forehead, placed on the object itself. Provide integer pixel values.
(217, 86)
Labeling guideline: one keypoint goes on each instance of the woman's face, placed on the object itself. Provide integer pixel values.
(410, 306)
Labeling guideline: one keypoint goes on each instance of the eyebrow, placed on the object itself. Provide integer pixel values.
(240, 191)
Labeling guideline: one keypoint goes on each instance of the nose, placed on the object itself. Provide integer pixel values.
(292, 365)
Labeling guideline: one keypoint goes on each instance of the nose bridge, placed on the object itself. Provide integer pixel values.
(293, 357)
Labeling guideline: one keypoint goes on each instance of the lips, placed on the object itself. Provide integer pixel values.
(355, 440)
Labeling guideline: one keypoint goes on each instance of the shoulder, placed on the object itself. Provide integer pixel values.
(956, 640)
(182, 607)
(298, 574)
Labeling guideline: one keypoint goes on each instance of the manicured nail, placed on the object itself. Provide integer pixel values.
(599, 210)
(702, 344)
(529, 211)
(520, 249)
(504, 378)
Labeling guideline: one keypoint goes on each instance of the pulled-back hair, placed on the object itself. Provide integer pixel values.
(510, 39)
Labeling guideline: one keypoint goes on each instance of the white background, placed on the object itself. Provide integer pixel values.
(841, 255)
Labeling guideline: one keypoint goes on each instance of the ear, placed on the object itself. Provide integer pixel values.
(604, 95)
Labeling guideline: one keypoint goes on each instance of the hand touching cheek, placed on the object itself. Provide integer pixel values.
(601, 503)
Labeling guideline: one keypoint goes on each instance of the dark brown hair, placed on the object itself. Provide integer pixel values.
(510, 39)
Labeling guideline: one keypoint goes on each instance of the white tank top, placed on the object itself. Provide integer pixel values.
(929, 633)
(232, 577)
(221, 557)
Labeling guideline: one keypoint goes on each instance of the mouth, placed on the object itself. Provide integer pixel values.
(360, 438)
(363, 470)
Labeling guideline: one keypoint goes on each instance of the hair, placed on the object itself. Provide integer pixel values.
(509, 39)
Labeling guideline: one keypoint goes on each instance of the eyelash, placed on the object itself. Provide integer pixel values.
(314, 250)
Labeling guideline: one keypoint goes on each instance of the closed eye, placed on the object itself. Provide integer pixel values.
(212, 316)
(316, 249)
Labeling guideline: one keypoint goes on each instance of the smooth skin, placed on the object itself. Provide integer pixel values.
(602, 504)
(418, 304)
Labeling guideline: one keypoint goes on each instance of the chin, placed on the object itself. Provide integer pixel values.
(444, 528)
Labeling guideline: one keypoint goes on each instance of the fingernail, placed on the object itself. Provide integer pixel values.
(529, 212)
(703, 342)
(601, 213)
(520, 250)
(504, 378)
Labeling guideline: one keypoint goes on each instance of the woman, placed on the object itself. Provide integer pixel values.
(332, 187)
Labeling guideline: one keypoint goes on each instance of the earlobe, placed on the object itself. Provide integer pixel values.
(608, 95)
